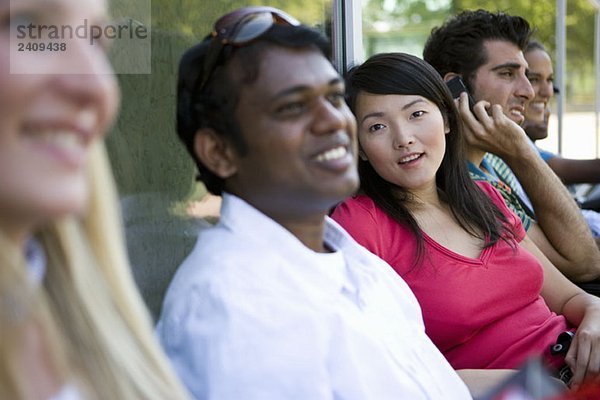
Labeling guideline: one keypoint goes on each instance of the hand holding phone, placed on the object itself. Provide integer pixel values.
(457, 86)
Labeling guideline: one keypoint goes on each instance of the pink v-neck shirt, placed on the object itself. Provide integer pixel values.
(485, 312)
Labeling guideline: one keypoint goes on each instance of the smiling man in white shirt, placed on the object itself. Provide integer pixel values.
(277, 301)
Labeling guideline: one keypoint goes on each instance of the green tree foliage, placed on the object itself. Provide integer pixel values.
(400, 25)
(404, 25)
(542, 14)
(194, 17)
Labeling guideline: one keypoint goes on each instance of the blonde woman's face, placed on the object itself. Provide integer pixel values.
(50, 120)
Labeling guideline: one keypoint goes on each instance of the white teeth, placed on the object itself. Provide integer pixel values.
(515, 112)
(87, 119)
(65, 139)
(332, 154)
(540, 106)
(409, 158)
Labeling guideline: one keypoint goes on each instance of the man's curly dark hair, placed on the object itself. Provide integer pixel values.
(458, 45)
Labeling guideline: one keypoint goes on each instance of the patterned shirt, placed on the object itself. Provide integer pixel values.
(503, 179)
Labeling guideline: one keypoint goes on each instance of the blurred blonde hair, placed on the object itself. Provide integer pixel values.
(96, 328)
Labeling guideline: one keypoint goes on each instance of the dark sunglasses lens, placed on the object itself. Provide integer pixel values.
(252, 27)
(248, 27)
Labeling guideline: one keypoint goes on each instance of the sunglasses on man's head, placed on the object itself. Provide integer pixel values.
(239, 28)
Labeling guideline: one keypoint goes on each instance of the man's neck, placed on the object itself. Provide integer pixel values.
(475, 155)
(306, 223)
(310, 231)
(308, 226)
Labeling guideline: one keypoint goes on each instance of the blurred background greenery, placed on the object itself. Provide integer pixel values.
(144, 148)
(404, 25)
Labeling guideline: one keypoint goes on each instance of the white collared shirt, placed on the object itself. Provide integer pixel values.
(252, 313)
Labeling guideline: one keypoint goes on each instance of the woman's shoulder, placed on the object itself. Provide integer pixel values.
(368, 224)
(356, 205)
(357, 210)
(360, 199)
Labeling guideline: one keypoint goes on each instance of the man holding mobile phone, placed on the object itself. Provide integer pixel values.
(457, 86)
(486, 50)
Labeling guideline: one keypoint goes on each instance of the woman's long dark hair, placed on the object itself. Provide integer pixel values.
(404, 74)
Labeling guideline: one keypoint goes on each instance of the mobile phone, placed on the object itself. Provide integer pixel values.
(457, 86)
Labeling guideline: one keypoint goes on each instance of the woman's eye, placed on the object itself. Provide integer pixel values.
(417, 114)
(376, 127)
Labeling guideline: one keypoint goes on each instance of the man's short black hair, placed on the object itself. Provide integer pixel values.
(214, 106)
(458, 45)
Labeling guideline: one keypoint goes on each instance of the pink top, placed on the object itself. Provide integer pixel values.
(481, 313)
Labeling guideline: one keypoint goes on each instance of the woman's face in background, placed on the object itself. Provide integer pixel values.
(541, 77)
(50, 120)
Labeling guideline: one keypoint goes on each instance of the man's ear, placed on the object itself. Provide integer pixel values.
(215, 152)
(450, 75)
